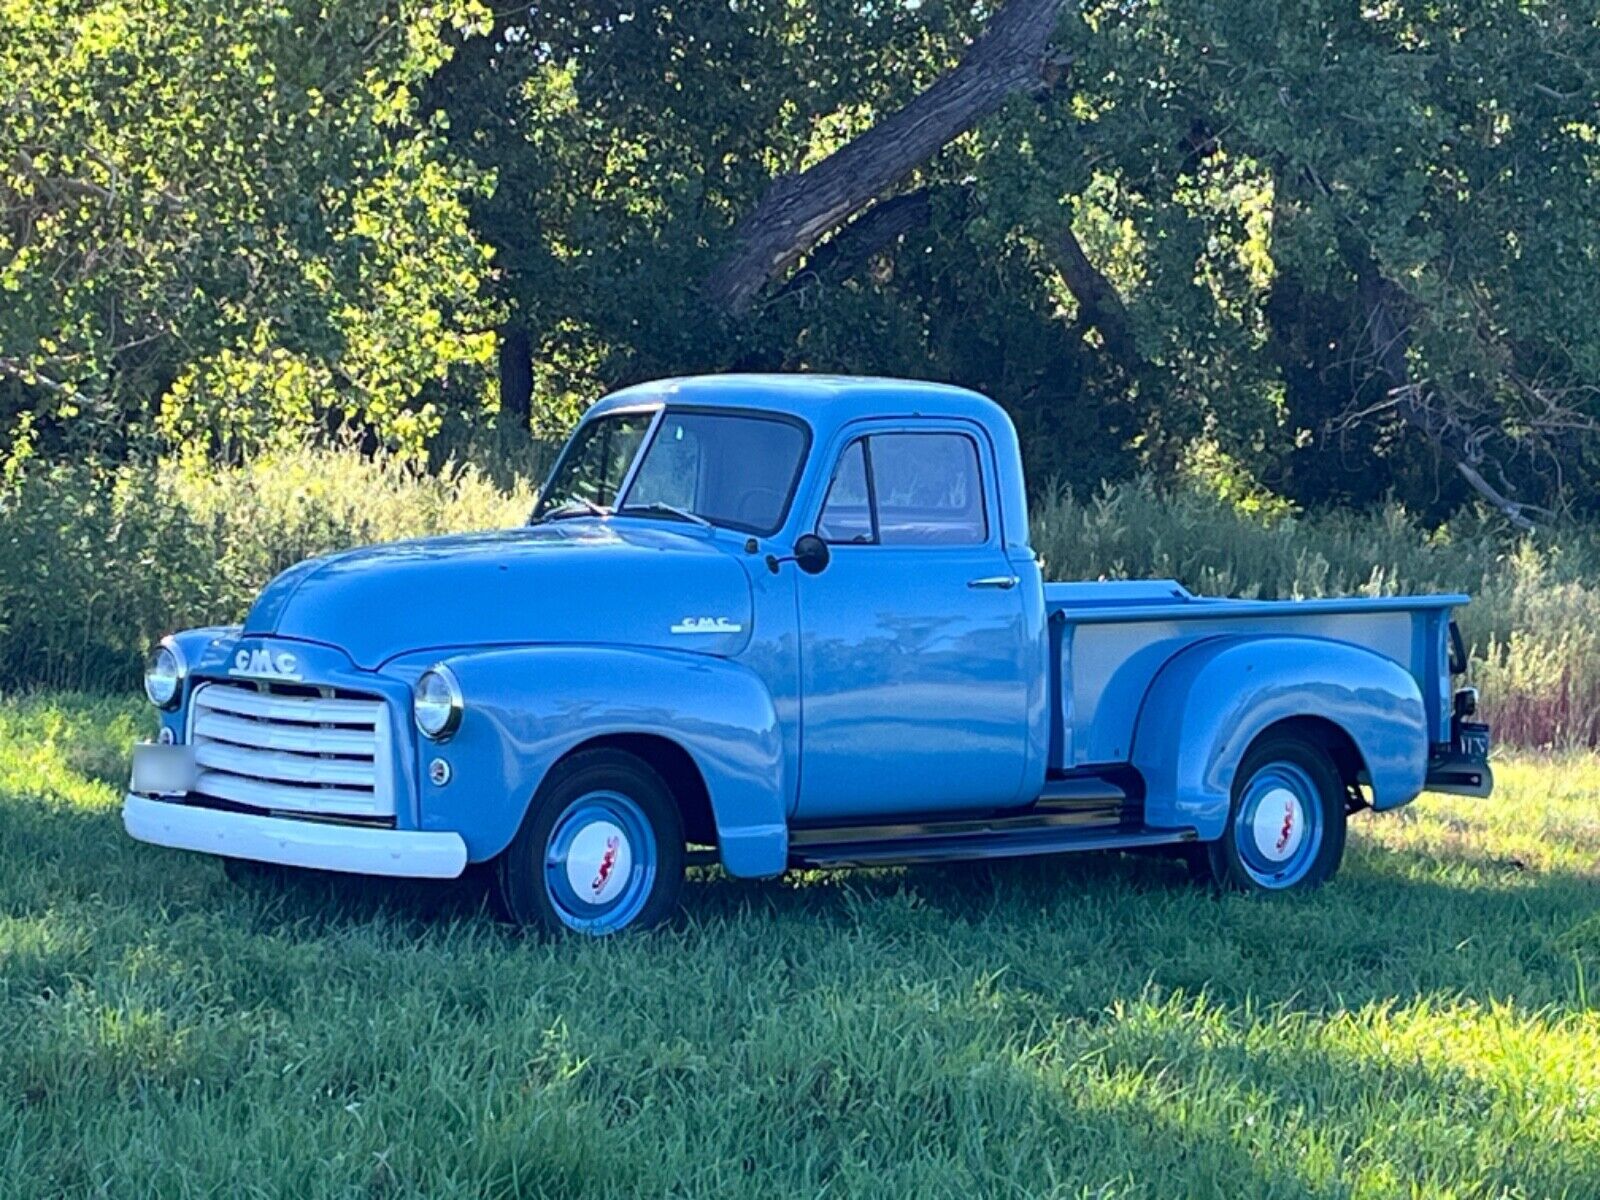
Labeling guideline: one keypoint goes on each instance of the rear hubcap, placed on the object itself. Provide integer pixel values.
(600, 862)
(1278, 829)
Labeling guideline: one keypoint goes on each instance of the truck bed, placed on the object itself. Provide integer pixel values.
(1110, 639)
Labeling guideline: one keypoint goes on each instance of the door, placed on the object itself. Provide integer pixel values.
(914, 654)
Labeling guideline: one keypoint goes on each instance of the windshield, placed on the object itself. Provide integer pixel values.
(732, 469)
(595, 464)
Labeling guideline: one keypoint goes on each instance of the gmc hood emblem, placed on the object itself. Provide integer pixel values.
(262, 663)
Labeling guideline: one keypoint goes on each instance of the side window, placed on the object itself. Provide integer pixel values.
(928, 489)
(847, 513)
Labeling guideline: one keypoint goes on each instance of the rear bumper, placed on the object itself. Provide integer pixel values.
(294, 843)
(1459, 776)
(1462, 768)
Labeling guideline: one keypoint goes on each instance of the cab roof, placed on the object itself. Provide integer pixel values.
(827, 403)
(834, 399)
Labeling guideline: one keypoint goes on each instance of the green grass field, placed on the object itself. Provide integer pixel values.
(1093, 1026)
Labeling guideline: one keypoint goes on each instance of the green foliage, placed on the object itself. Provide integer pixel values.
(1231, 169)
(1073, 1028)
(224, 223)
(227, 220)
(95, 565)
(1284, 149)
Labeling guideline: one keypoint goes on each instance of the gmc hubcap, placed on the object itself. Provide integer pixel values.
(1277, 829)
(600, 862)
(1279, 825)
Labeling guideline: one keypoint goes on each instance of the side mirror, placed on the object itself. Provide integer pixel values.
(811, 555)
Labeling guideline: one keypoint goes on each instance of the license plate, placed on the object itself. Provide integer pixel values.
(162, 770)
(1472, 741)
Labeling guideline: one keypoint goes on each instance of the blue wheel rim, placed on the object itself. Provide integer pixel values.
(600, 862)
(1278, 828)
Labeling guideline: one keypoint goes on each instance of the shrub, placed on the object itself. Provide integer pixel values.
(95, 566)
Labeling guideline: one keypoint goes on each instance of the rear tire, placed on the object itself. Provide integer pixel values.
(600, 850)
(1286, 821)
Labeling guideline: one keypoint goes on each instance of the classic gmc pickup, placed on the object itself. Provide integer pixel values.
(774, 622)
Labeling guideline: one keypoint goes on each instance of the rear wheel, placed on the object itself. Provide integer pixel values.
(1286, 825)
(600, 850)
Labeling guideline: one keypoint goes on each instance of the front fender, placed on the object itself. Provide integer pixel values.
(1209, 702)
(525, 708)
(203, 650)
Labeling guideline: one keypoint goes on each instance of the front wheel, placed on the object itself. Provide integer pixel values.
(601, 849)
(1286, 825)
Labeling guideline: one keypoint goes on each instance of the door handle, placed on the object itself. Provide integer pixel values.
(1004, 582)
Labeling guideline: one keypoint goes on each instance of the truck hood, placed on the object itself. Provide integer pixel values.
(573, 581)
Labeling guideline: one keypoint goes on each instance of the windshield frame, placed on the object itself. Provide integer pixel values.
(540, 513)
(661, 409)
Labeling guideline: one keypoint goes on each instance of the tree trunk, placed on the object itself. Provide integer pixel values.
(863, 239)
(516, 375)
(799, 209)
(1098, 302)
(1387, 333)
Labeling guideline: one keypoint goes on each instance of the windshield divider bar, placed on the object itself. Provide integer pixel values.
(648, 440)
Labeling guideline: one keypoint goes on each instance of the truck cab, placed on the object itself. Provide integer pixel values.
(775, 622)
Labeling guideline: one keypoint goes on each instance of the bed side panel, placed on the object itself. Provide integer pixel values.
(1106, 669)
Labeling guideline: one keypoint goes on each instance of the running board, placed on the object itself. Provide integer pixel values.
(1081, 803)
(1005, 840)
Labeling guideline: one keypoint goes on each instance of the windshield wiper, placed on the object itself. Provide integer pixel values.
(664, 509)
(576, 507)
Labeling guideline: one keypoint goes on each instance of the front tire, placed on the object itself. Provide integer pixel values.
(1286, 823)
(600, 850)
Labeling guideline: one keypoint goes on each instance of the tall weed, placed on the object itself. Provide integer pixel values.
(95, 566)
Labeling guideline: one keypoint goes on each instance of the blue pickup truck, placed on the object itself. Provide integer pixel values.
(783, 622)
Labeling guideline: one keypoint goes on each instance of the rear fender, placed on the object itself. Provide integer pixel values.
(526, 708)
(1212, 700)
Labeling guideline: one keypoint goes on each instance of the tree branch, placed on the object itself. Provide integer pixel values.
(20, 371)
(1010, 56)
(885, 223)
(1387, 336)
(1098, 301)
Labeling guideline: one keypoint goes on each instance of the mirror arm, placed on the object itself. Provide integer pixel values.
(810, 555)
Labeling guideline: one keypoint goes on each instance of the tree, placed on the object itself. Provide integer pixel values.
(1347, 251)
(1009, 56)
(232, 218)
(1432, 171)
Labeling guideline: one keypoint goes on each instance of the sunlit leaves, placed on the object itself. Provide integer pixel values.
(235, 214)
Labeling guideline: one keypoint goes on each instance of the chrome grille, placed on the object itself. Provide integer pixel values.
(293, 751)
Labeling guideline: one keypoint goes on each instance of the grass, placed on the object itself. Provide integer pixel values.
(1073, 1027)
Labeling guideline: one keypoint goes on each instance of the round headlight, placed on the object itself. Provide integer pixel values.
(163, 678)
(436, 703)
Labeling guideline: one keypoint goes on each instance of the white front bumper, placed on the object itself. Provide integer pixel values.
(295, 843)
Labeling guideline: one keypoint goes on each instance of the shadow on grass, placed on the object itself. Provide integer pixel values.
(1250, 1111)
(1396, 923)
